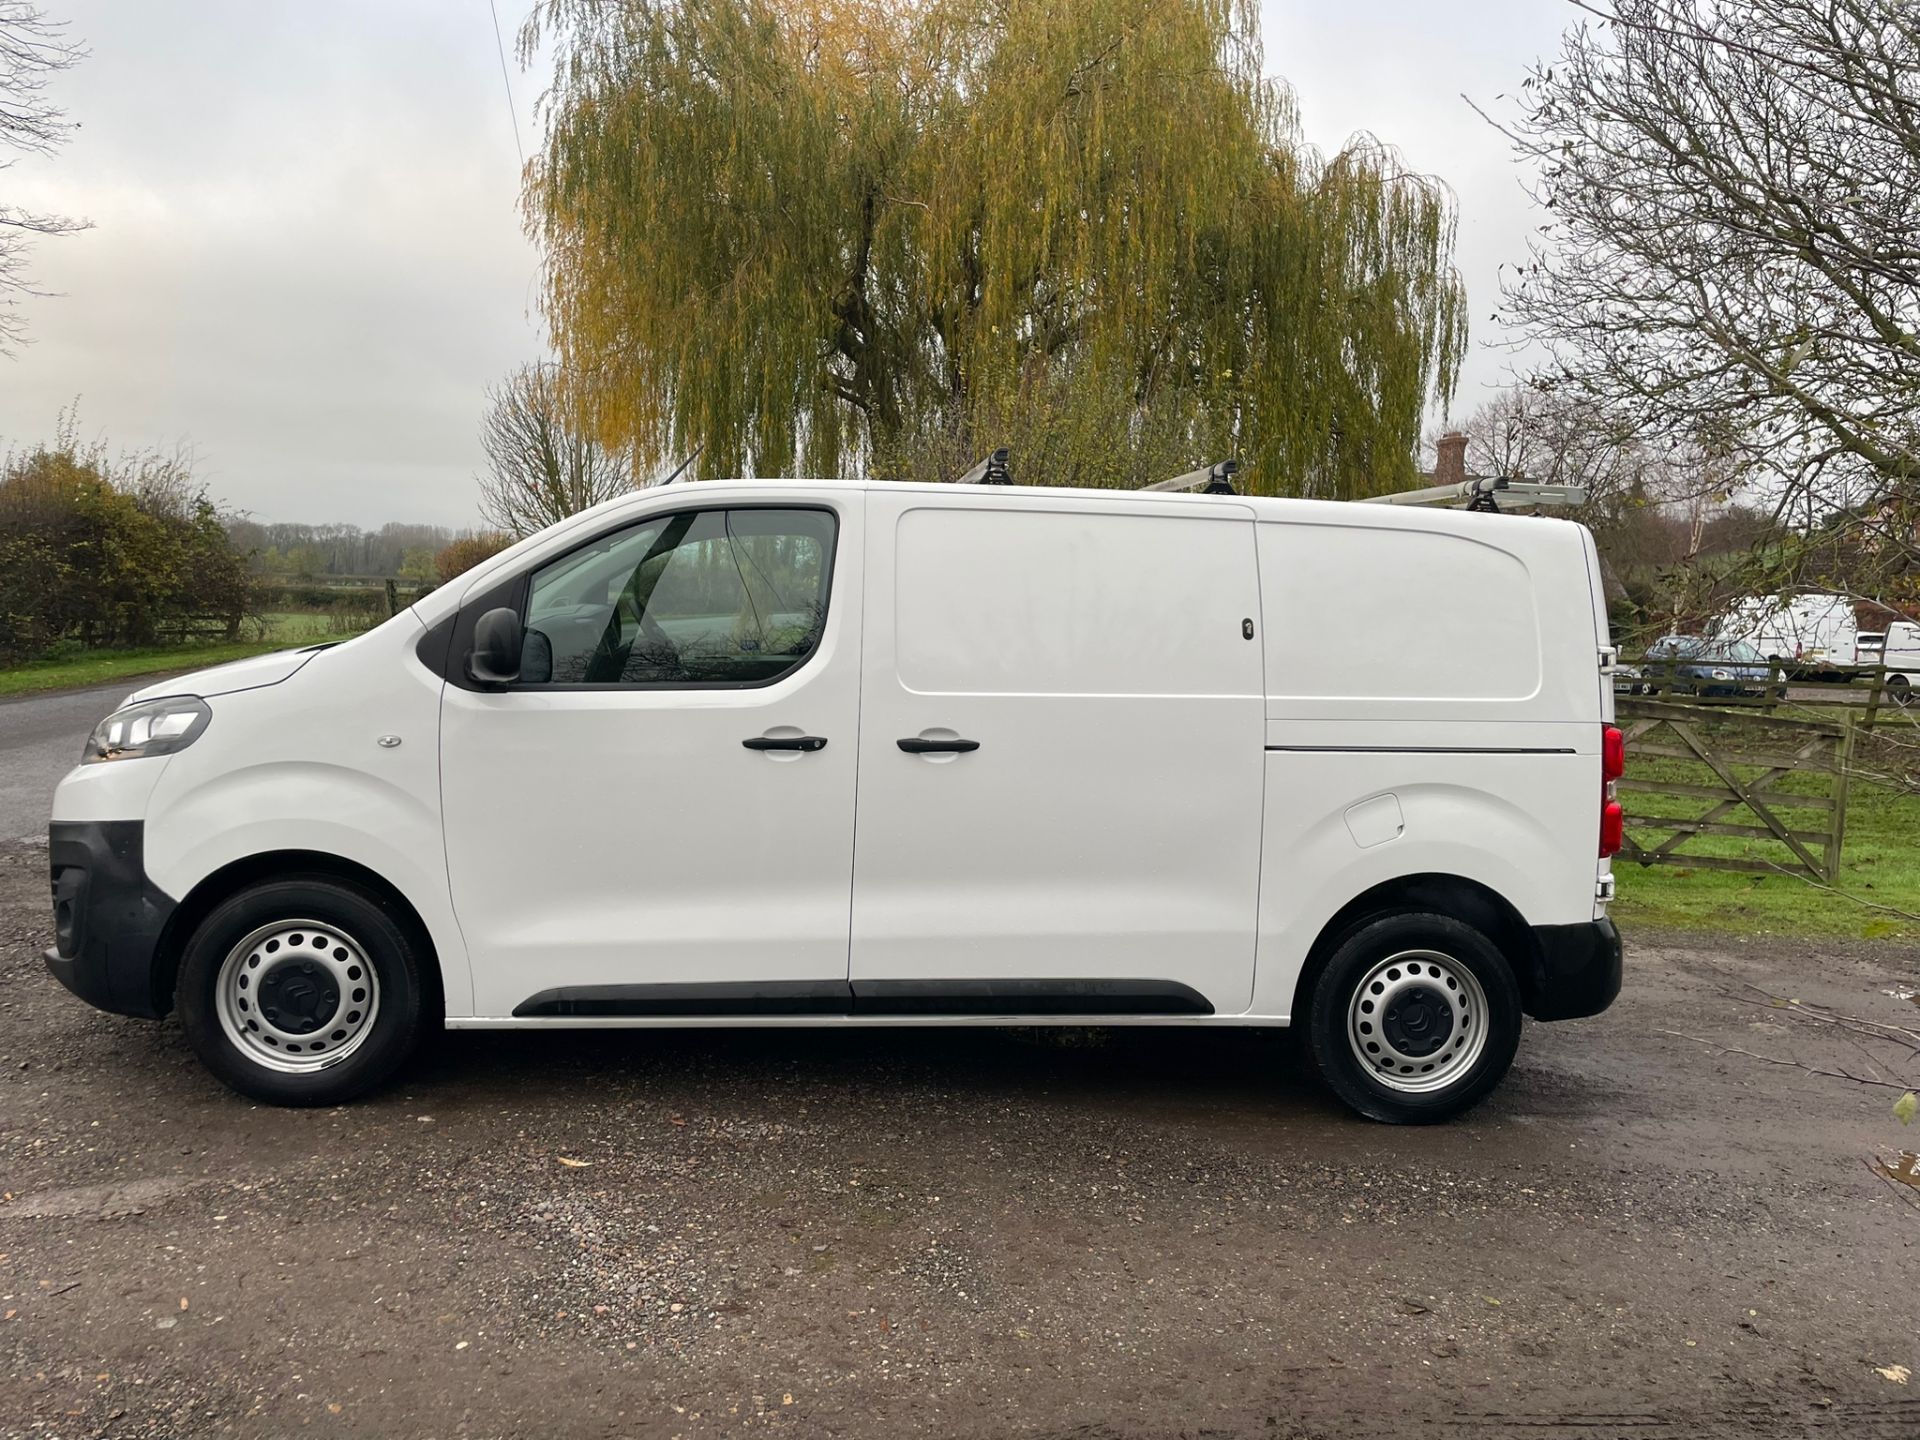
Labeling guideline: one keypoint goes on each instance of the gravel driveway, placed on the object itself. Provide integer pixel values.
(962, 1233)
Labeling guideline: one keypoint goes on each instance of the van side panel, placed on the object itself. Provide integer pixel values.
(1434, 706)
(1523, 825)
(1381, 615)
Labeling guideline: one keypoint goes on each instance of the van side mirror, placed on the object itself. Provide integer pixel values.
(495, 657)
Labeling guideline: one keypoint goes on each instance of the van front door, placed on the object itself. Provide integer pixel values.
(1061, 757)
(657, 817)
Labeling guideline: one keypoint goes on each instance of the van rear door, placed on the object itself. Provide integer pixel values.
(1061, 736)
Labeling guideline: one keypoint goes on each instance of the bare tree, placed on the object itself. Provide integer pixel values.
(1555, 438)
(1659, 509)
(1734, 252)
(32, 49)
(541, 466)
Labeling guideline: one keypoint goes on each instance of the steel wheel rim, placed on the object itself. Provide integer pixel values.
(297, 996)
(1417, 1021)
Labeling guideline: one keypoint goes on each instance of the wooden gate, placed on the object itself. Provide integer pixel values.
(1776, 786)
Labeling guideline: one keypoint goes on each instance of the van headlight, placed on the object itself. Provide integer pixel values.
(151, 727)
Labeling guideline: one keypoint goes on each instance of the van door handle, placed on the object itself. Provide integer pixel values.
(914, 745)
(808, 743)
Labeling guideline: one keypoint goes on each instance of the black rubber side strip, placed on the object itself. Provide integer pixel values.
(1426, 749)
(870, 997)
(1027, 997)
(727, 997)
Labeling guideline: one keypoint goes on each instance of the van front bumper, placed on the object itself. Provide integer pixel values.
(1580, 969)
(107, 916)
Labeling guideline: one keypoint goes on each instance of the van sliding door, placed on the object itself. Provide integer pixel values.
(1060, 775)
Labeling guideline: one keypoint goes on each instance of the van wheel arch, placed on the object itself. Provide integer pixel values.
(230, 880)
(1467, 901)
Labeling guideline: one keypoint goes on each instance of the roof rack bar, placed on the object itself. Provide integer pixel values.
(1215, 479)
(990, 471)
(1484, 493)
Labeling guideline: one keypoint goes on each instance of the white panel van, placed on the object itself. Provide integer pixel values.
(792, 753)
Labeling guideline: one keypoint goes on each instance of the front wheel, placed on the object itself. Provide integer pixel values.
(303, 991)
(1899, 690)
(1414, 1018)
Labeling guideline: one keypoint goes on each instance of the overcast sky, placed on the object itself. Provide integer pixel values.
(307, 262)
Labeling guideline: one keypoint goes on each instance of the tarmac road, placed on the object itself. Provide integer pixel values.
(1108, 1235)
(40, 740)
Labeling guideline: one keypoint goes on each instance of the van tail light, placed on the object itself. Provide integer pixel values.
(1613, 754)
(1613, 764)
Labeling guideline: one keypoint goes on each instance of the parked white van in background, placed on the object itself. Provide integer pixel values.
(1898, 648)
(793, 753)
(1812, 631)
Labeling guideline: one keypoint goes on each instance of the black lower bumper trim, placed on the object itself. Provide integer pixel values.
(107, 915)
(871, 997)
(1580, 969)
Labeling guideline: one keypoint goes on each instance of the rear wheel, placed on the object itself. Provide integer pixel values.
(1414, 1018)
(1899, 690)
(304, 991)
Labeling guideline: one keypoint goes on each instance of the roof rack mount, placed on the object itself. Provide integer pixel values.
(1484, 494)
(1216, 479)
(990, 471)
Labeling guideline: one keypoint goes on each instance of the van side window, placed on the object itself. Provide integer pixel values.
(704, 597)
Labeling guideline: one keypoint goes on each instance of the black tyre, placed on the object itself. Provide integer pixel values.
(302, 991)
(1899, 690)
(1414, 1018)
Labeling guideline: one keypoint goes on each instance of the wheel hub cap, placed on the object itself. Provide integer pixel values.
(297, 996)
(1418, 1021)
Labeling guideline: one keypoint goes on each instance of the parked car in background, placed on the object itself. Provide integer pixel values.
(1629, 679)
(1695, 665)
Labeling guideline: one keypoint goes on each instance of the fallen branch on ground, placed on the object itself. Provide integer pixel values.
(1900, 1188)
(1812, 1014)
(1794, 1064)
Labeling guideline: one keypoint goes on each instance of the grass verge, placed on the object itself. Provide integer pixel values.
(276, 630)
(96, 667)
(1880, 864)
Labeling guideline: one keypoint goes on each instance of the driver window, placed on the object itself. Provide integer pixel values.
(708, 597)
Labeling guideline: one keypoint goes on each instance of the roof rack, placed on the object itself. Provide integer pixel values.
(990, 471)
(1215, 479)
(1484, 494)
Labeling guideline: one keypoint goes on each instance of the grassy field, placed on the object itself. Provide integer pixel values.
(280, 630)
(1880, 865)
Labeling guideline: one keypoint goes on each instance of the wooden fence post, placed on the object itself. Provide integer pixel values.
(393, 598)
(1842, 779)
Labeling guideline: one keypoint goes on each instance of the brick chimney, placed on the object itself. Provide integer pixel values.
(1450, 464)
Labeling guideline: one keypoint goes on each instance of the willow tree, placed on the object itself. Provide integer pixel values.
(884, 236)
